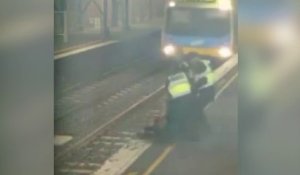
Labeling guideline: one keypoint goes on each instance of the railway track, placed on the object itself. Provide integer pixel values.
(85, 121)
(90, 153)
(73, 100)
(92, 124)
(115, 139)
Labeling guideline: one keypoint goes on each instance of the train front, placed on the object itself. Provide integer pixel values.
(204, 28)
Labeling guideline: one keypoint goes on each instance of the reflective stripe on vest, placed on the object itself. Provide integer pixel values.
(179, 87)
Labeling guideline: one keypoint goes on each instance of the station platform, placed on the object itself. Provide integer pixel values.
(84, 39)
(214, 153)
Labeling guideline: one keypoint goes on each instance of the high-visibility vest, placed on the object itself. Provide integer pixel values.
(206, 63)
(179, 85)
(208, 74)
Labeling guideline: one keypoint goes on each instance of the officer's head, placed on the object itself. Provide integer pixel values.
(197, 63)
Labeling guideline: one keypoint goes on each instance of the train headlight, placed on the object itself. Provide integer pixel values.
(225, 5)
(172, 4)
(169, 50)
(225, 52)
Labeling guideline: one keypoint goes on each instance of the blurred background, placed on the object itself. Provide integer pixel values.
(268, 67)
(26, 90)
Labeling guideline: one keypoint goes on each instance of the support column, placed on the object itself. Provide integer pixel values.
(61, 30)
(150, 9)
(105, 29)
(126, 25)
(115, 13)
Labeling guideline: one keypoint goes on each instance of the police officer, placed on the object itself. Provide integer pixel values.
(186, 87)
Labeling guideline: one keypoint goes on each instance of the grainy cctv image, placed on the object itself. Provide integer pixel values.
(146, 87)
(269, 142)
(150, 87)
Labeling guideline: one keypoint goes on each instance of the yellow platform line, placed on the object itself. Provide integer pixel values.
(158, 161)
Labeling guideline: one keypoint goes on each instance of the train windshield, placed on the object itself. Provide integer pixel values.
(197, 22)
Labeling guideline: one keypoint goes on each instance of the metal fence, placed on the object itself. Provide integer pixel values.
(100, 16)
